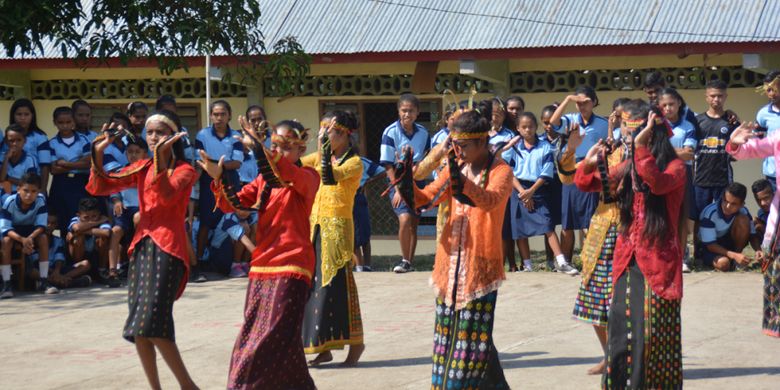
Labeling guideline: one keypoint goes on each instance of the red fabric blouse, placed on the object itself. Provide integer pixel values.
(660, 264)
(284, 247)
(162, 202)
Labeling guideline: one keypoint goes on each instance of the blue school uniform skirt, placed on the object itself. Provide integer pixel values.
(362, 219)
(67, 190)
(577, 207)
(536, 222)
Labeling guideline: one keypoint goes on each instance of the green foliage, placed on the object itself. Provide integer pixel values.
(165, 32)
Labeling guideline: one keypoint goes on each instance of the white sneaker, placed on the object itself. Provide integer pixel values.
(685, 268)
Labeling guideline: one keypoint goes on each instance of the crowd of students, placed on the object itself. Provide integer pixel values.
(492, 169)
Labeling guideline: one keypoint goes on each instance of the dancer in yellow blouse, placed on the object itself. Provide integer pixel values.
(332, 317)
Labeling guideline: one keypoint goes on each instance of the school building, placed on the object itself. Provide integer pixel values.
(366, 53)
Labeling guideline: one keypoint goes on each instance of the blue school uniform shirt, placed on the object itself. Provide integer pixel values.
(439, 137)
(768, 117)
(370, 169)
(394, 139)
(12, 215)
(216, 147)
(530, 164)
(89, 241)
(25, 164)
(36, 144)
(684, 135)
(129, 197)
(88, 134)
(72, 152)
(56, 252)
(248, 170)
(230, 226)
(593, 131)
(114, 157)
(502, 136)
(713, 224)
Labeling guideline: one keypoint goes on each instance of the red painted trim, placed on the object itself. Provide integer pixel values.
(442, 55)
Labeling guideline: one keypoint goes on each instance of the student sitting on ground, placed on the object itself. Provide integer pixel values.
(236, 226)
(63, 273)
(725, 228)
(23, 221)
(763, 192)
(88, 235)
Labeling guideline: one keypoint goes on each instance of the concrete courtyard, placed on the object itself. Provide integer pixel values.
(72, 340)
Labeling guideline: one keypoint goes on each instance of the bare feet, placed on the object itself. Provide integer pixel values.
(599, 368)
(321, 358)
(354, 355)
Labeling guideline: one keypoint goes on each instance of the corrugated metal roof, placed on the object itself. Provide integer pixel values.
(361, 26)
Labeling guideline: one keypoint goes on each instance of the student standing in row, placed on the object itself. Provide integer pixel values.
(216, 140)
(768, 120)
(578, 207)
(405, 131)
(36, 142)
(69, 168)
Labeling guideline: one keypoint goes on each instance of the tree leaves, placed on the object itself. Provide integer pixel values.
(164, 32)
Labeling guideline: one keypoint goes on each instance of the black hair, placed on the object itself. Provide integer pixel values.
(256, 107)
(673, 92)
(119, 116)
(16, 128)
(88, 204)
(738, 190)
(62, 110)
(222, 103)
(31, 178)
(409, 98)
(79, 103)
(771, 76)
(654, 80)
(486, 107)
(549, 108)
(529, 115)
(716, 84)
(24, 102)
(349, 120)
(472, 122)
(137, 141)
(135, 106)
(761, 185)
(619, 102)
(163, 100)
(178, 147)
(589, 92)
(298, 128)
(656, 218)
(517, 99)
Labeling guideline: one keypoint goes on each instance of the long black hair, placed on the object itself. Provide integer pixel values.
(656, 218)
(673, 93)
(24, 102)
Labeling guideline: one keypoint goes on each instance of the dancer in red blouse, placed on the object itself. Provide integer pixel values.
(268, 353)
(159, 262)
(644, 346)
